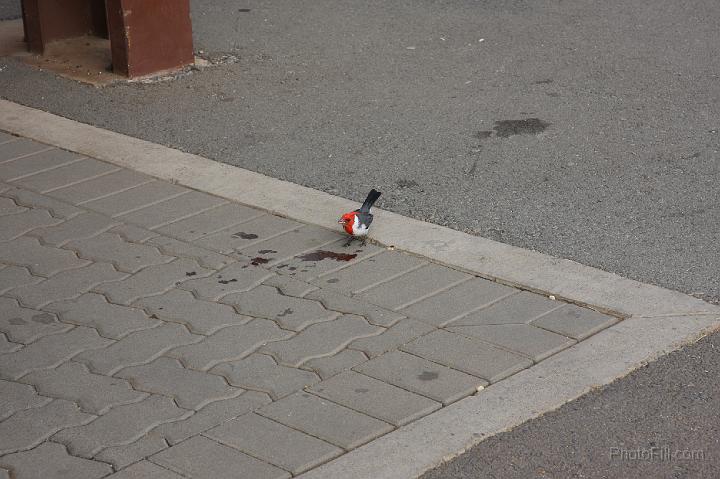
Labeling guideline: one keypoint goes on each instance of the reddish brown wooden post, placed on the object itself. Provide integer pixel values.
(149, 36)
(48, 20)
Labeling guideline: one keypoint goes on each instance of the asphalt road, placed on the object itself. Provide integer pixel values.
(671, 404)
(586, 130)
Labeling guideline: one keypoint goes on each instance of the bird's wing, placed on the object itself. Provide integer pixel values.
(364, 218)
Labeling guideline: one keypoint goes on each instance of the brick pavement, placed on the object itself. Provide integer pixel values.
(149, 330)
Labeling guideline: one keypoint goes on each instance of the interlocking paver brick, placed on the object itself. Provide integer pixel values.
(151, 281)
(190, 389)
(516, 309)
(365, 274)
(246, 234)
(533, 342)
(111, 320)
(329, 366)
(203, 458)
(289, 244)
(202, 317)
(322, 339)
(25, 325)
(203, 256)
(66, 284)
(449, 305)
(100, 187)
(415, 285)
(84, 225)
(180, 207)
(30, 427)
(421, 376)
(260, 373)
(40, 260)
(121, 425)
(58, 209)
(12, 226)
(14, 276)
(9, 207)
(236, 277)
(137, 348)
(50, 351)
(467, 354)
(135, 198)
(51, 460)
(93, 392)
(325, 420)
(375, 398)
(111, 248)
(275, 443)
(339, 302)
(212, 415)
(289, 312)
(20, 147)
(7, 346)
(211, 221)
(127, 454)
(290, 286)
(66, 175)
(574, 321)
(324, 259)
(145, 470)
(132, 233)
(400, 333)
(42, 161)
(229, 344)
(16, 397)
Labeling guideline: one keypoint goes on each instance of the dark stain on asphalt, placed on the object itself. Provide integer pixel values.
(43, 318)
(190, 273)
(258, 261)
(483, 134)
(528, 126)
(243, 235)
(428, 376)
(473, 168)
(227, 281)
(321, 255)
(267, 251)
(332, 280)
(17, 321)
(243, 10)
(403, 183)
(285, 313)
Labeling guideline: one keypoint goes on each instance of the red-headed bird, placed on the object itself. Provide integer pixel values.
(357, 223)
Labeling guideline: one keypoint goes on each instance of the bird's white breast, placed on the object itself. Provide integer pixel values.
(359, 229)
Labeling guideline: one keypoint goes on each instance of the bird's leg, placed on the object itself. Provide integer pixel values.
(349, 242)
(364, 242)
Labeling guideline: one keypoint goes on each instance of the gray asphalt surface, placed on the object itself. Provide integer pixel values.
(587, 130)
(620, 171)
(672, 405)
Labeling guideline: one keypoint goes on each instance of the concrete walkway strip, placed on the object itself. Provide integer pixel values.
(656, 320)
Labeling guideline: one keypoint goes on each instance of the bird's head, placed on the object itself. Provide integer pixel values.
(347, 218)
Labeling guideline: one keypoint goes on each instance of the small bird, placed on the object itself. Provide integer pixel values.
(357, 223)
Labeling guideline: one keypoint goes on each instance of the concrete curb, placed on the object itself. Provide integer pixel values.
(659, 320)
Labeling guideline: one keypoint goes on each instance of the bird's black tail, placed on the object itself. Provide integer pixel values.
(370, 200)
